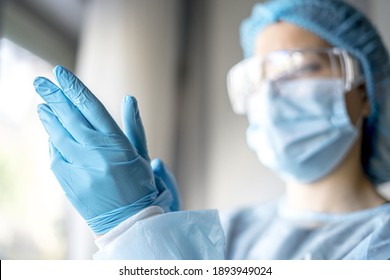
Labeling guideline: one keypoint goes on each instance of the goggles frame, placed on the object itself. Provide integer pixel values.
(245, 77)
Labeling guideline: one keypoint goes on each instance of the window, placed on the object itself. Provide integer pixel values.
(31, 201)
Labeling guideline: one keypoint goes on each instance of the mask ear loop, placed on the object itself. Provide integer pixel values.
(359, 123)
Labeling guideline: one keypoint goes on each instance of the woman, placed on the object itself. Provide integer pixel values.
(313, 88)
(311, 104)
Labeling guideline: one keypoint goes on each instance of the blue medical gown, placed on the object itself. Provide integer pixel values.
(269, 231)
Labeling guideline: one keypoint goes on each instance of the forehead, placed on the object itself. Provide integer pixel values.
(282, 36)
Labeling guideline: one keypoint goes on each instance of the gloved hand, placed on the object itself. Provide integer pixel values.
(99, 169)
(134, 130)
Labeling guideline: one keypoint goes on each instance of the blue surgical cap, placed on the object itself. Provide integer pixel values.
(342, 26)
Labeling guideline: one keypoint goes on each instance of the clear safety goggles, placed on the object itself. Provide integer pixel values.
(247, 76)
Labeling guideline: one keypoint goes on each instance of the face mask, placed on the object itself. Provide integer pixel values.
(300, 128)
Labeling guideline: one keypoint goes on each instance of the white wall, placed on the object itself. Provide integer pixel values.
(235, 177)
(129, 48)
(380, 16)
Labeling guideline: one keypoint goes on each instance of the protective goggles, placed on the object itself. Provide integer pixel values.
(247, 76)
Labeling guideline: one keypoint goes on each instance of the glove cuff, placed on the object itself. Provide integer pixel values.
(105, 222)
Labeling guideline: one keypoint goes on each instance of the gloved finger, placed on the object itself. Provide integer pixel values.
(70, 116)
(75, 122)
(58, 162)
(60, 137)
(161, 170)
(133, 127)
(88, 104)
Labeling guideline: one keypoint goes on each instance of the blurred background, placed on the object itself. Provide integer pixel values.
(173, 56)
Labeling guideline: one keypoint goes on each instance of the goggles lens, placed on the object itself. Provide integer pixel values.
(247, 76)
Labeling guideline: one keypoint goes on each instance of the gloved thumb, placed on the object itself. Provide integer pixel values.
(161, 171)
(133, 127)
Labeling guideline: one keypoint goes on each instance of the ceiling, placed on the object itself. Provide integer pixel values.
(65, 16)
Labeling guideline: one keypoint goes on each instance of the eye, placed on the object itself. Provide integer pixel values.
(308, 69)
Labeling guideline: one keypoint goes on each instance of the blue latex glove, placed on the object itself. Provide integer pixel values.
(165, 178)
(100, 170)
(134, 130)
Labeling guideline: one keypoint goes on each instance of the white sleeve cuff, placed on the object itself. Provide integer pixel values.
(107, 238)
(154, 235)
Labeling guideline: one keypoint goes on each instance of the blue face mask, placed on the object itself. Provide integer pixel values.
(300, 128)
